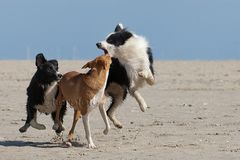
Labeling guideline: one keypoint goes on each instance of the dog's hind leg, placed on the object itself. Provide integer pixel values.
(76, 117)
(30, 115)
(36, 125)
(104, 116)
(87, 131)
(118, 94)
(140, 100)
(116, 101)
(31, 119)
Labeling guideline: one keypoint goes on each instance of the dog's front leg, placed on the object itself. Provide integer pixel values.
(148, 76)
(87, 131)
(76, 117)
(140, 100)
(57, 123)
(104, 116)
(24, 128)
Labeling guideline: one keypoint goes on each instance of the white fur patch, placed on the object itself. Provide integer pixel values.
(49, 99)
(133, 56)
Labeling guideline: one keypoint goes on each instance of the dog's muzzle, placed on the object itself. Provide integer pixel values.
(59, 75)
(99, 45)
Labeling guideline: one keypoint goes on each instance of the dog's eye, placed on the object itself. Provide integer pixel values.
(110, 40)
(50, 68)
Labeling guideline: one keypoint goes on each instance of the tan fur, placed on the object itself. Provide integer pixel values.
(79, 89)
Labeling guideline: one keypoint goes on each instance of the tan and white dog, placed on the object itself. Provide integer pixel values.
(84, 92)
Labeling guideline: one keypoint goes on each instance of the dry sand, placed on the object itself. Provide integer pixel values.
(194, 114)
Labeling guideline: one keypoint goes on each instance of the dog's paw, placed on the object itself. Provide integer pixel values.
(70, 137)
(67, 144)
(58, 128)
(38, 126)
(59, 131)
(151, 81)
(143, 107)
(55, 127)
(91, 146)
(118, 125)
(142, 74)
(147, 76)
(105, 131)
(24, 128)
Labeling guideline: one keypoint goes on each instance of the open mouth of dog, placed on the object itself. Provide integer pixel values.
(99, 46)
(105, 51)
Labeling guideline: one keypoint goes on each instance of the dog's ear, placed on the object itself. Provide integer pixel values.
(126, 35)
(40, 59)
(87, 65)
(119, 28)
(54, 62)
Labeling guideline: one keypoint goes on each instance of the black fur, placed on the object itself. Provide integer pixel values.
(46, 74)
(118, 28)
(119, 38)
(62, 113)
(118, 75)
(150, 58)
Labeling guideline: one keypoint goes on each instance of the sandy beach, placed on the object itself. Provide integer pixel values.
(193, 114)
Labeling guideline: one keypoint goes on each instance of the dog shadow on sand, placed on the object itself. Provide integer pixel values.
(19, 143)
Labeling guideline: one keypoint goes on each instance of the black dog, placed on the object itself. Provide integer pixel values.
(42, 92)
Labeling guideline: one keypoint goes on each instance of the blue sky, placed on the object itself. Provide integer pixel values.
(176, 29)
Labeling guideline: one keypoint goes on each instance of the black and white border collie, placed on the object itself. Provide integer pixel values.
(41, 93)
(132, 66)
